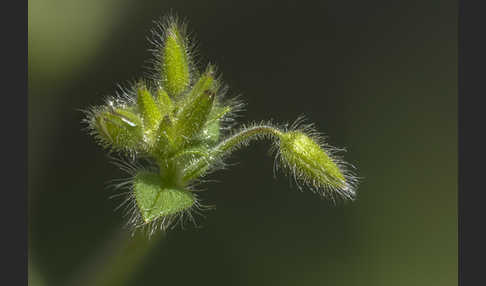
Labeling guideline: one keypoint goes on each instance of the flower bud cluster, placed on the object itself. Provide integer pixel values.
(175, 120)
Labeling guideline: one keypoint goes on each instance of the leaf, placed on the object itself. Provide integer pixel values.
(156, 200)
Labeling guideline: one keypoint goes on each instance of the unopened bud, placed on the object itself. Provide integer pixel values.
(175, 61)
(117, 128)
(197, 106)
(310, 163)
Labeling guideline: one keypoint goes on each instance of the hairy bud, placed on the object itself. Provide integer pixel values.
(195, 111)
(118, 128)
(175, 61)
(313, 165)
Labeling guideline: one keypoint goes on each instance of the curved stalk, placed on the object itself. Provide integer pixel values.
(227, 146)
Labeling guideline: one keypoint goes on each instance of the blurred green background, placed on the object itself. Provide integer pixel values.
(377, 77)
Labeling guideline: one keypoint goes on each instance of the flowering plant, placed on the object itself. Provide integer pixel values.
(174, 127)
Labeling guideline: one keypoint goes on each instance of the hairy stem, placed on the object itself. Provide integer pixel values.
(228, 145)
(244, 136)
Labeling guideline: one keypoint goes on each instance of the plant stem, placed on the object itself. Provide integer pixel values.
(244, 136)
(228, 145)
(121, 261)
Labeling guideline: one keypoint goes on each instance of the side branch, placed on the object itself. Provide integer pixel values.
(226, 146)
(245, 136)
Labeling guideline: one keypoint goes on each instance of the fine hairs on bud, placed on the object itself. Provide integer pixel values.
(303, 154)
(179, 122)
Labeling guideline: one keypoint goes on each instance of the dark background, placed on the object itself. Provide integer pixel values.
(377, 77)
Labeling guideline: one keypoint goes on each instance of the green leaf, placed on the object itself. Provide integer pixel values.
(156, 200)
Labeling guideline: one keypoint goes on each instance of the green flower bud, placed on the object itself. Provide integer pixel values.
(157, 200)
(117, 128)
(311, 163)
(175, 61)
(197, 106)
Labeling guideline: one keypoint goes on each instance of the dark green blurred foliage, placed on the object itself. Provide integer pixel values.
(381, 79)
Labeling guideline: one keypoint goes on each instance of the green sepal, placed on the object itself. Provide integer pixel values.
(164, 138)
(175, 61)
(155, 199)
(196, 108)
(191, 154)
(149, 110)
(218, 112)
(210, 132)
(164, 102)
(198, 167)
